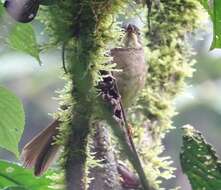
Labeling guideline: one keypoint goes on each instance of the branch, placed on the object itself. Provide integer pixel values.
(75, 149)
(105, 177)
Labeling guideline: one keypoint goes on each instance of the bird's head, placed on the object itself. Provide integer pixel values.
(132, 36)
(131, 28)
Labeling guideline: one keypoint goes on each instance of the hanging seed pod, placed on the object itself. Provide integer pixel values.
(22, 10)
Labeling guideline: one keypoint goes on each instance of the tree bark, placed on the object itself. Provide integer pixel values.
(105, 177)
(75, 150)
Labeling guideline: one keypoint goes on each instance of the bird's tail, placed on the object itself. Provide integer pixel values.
(41, 150)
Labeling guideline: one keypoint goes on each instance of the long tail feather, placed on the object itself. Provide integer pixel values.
(41, 150)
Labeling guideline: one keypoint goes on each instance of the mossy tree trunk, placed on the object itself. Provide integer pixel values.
(105, 176)
(87, 27)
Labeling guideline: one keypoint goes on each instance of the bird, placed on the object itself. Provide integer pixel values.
(42, 149)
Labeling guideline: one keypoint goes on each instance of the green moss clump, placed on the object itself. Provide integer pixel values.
(87, 29)
(170, 64)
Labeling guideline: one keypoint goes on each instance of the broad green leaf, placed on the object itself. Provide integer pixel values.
(199, 161)
(22, 38)
(15, 177)
(12, 119)
(214, 10)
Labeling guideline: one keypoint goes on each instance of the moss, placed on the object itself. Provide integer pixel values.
(86, 28)
(89, 30)
(170, 64)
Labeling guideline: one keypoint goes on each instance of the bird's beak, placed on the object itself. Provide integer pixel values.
(129, 28)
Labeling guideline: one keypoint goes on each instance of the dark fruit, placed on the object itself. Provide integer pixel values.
(22, 10)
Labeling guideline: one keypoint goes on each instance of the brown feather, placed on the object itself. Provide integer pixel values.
(41, 150)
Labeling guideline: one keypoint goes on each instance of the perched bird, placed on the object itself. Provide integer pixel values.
(41, 150)
(131, 61)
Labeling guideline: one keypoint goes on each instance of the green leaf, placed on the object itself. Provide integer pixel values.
(11, 122)
(199, 161)
(214, 10)
(15, 177)
(216, 17)
(22, 38)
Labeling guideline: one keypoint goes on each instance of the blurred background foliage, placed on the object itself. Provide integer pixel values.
(199, 105)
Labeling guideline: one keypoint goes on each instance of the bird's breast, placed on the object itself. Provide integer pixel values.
(131, 79)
